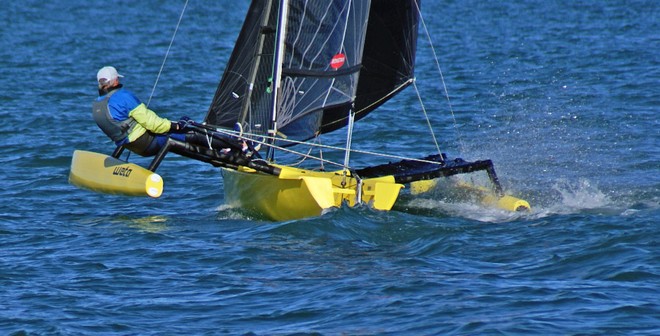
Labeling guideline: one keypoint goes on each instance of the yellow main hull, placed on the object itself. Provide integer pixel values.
(298, 193)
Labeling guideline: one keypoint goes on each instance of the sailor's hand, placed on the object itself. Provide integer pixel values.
(180, 126)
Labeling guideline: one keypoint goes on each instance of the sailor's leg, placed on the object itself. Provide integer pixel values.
(208, 141)
(147, 144)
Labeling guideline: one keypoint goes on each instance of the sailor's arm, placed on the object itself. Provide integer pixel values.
(150, 120)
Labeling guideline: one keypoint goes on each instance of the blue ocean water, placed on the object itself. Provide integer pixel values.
(563, 96)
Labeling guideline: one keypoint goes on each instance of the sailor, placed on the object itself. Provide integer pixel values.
(127, 121)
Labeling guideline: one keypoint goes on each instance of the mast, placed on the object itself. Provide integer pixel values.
(277, 71)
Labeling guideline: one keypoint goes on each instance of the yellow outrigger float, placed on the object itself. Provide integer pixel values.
(301, 69)
(110, 175)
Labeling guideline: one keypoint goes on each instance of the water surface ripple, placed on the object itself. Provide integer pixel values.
(562, 96)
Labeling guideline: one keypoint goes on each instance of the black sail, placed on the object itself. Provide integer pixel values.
(242, 94)
(339, 56)
(388, 62)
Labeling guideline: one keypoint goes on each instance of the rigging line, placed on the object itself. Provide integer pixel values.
(265, 143)
(167, 52)
(306, 155)
(309, 152)
(318, 138)
(442, 78)
(354, 151)
(428, 121)
(266, 137)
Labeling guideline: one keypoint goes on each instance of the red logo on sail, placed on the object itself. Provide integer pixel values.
(337, 61)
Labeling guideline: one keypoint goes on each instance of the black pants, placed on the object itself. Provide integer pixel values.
(148, 144)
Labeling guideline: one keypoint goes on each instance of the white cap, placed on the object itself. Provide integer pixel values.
(106, 75)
